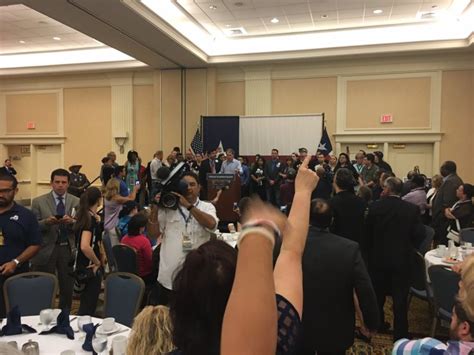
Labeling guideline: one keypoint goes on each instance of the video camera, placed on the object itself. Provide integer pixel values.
(170, 181)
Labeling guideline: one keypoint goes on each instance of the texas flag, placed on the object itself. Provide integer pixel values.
(325, 145)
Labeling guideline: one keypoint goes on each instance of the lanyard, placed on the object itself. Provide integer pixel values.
(186, 220)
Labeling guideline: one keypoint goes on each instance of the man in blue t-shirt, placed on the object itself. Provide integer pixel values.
(119, 175)
(20, 237)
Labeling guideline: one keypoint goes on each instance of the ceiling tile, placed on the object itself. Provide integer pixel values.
(408, 10)
(350, 13)
(299, 19)
(296, 9)
(329, 16)
(244, 14)
(369, 11)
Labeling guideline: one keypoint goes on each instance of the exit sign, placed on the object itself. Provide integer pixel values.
(30, 125)
(386, 119)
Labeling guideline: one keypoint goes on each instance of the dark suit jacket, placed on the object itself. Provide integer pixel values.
(273, 174)
(464, 212)
(392, 234)
(11, 171)
(349, 211)
(44, 207)
(332, 269)
(203, 171)
(445, 197)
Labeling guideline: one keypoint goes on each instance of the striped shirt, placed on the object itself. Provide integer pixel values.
(431, 346)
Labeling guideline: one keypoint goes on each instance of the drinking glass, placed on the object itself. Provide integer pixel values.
(81, 321)
(46, 317)
(99, 344)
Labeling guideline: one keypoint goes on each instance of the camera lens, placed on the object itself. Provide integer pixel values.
(168, 200)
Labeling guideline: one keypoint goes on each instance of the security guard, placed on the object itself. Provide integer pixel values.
(20, 237)
(78, 182)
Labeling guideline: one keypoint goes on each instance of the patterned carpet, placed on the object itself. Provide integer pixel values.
(419, 318)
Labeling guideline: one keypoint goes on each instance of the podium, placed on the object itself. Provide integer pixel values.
(230, 186)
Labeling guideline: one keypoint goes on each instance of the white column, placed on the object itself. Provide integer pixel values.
(122, 112)
(385, 151)
(436, 157)
(258, 91)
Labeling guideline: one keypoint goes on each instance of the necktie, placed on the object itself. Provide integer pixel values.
(60, 208)
(213, 166)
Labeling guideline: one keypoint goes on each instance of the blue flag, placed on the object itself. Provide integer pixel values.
(325, 145)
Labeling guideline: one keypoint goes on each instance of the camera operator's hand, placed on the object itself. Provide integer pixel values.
(182, 200)
(157, 198)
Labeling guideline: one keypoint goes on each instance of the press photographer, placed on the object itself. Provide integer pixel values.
(181, 229)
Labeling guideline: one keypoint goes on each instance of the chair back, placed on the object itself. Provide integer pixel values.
(445, 285)
(122, 296)
(425, 245)
(108, 251)
(418, 274)
(31, 292)
(125, 258)
(467, 235)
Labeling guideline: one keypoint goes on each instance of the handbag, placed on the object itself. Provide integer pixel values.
(452, 234)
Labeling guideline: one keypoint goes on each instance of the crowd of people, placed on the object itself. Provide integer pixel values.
(323, 240)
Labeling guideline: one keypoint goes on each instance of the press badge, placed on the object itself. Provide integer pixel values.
(187, 243)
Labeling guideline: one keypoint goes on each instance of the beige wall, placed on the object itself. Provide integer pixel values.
(42, 109)
(457, 116)
(87, 127)
(160, 122)
(230, 98)
(300, 96)
(146, 132)
(407, 99)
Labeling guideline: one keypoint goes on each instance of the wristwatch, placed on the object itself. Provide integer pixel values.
(16, 261)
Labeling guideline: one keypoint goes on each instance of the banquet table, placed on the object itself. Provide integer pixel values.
(431, 258)
(56, 343)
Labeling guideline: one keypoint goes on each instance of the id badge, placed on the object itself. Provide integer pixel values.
(187, 243)
(2, 238)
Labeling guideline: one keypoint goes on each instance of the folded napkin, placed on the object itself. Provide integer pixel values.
(89, 329)
(62, 325)
(14, 326)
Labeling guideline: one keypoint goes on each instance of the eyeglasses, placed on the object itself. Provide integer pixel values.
(6, 191)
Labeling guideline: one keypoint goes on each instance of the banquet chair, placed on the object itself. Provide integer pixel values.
(420, 287)
(467, 235)
(17, 291)
(445, 285)
(108, 251)
(123, 296)
(425, 245)
(125, 258)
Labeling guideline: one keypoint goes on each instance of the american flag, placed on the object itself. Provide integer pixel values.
(196, 143)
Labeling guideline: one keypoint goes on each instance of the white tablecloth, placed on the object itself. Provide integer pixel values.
(431, 258)
(55, 343)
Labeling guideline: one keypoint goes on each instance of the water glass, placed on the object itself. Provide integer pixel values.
(441, 251)
(46, 317)
(119, 345)
(83, 320)
(99, 344)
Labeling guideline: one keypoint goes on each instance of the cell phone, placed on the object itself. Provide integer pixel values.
(58, 216)
(137, 182)
(236, 205)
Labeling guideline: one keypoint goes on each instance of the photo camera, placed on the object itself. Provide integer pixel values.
(171, 181)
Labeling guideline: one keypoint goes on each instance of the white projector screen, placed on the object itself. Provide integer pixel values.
(287, 133)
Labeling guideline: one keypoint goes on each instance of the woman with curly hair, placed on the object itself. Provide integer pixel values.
(151, 332)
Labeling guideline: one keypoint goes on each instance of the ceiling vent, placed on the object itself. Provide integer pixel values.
(236, 31)
(426, 15)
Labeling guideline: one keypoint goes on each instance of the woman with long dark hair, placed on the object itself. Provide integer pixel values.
(90, 257)
(258, 180)
(345, 162)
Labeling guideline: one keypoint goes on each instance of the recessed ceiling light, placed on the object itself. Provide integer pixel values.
(238, 4)
(57, 38)
(274, 20)
(228, 25)
(324, 16)
(434, 7)
(22, 42)
(378, 11)
(213, 7)
(42, 22)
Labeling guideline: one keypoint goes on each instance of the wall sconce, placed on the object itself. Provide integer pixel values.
(120, 140)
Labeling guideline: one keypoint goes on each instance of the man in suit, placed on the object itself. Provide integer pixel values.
(211, 165)
(8, 168)
(55, 212)
(273, 168)
(349, 209)
(392, 235)
(445, 198)
(333, 271)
